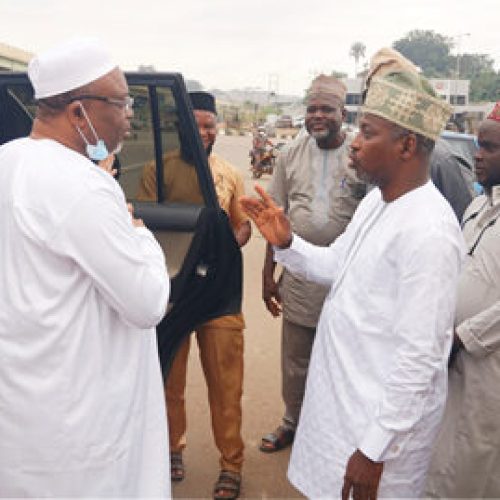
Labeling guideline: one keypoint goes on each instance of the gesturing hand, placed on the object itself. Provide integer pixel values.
(362, 475)
(270, 219)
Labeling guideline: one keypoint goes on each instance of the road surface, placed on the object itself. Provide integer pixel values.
(264, 475)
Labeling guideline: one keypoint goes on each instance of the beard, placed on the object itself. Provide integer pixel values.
(320, 134)
(209, 148)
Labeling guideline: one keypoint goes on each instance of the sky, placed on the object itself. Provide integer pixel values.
(272, 45)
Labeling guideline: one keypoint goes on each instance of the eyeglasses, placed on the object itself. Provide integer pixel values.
(127, 103)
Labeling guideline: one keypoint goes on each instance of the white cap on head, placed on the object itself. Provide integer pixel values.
(68, 66)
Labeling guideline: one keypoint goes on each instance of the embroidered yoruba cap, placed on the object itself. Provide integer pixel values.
(203, 101)
(327, 88)
(387, 60)
(495, 113)
(399, 94)
(68, 66)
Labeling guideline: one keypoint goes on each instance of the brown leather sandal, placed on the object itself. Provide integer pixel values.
(227, 486)
(277, 440)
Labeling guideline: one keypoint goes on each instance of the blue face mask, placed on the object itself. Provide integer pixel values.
(97, 151)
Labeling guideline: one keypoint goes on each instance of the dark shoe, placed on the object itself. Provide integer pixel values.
(277, 440)
(227, 486)
(177, 471)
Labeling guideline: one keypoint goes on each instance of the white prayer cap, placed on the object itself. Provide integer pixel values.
(68, 66)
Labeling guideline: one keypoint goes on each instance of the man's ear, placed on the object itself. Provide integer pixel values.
(75, 115)
(408, 146)
(344, 114)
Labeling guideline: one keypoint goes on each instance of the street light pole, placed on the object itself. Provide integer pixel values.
(458, 37)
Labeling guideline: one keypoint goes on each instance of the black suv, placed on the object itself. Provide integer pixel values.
(203, 258)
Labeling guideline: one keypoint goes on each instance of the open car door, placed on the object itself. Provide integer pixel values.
(164, 173)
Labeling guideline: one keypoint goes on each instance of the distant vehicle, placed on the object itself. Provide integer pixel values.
(462, 145)
(284, 121)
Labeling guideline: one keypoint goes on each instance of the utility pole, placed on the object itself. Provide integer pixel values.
(458, 39)
(273, 84)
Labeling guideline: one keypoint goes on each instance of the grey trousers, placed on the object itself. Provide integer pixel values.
(296, 345)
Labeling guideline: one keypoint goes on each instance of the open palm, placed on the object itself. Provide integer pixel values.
(270, 219)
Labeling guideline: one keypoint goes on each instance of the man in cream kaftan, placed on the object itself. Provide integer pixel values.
(466, 460)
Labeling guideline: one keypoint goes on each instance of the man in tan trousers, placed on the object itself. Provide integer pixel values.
(220, 340)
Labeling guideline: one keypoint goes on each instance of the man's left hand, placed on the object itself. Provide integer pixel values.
(362, 476)
(107, 165)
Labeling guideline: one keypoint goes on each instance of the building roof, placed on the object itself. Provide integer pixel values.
(13, 59)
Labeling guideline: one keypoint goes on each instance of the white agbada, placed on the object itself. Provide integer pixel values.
(377, 377)
(82, 410)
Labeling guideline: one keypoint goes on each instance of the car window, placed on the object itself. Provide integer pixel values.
(18, 108)
(160, 164)
(165, 174)
(462, 145)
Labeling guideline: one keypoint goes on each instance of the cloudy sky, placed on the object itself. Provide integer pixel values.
(239, 43)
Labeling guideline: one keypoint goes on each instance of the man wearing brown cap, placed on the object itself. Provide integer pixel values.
(82, 286)
(466, 461)
(377, 380)
(220, 340)
(319, 193)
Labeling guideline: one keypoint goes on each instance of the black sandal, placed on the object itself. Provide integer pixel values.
(277, 440)
(177, 470)
(228, 482)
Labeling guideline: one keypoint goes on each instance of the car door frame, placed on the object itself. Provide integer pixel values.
(179, 218)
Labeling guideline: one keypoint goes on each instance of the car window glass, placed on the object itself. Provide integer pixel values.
(178, 177)
(138, 148)
(19, 110)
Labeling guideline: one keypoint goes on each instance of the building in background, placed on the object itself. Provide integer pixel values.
(13, 59)
(466, 115)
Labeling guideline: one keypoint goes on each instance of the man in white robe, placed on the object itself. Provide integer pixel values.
(82, 285)
(377, 380)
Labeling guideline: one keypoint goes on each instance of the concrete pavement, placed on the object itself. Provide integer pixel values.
(264, 475)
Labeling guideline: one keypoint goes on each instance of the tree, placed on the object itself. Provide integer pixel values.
(474, 65)
(339, 74)
(431, 52)
(428, 50)
(485, 87)
(357, 51)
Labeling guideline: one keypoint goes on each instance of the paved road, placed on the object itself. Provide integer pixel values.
(264, 475)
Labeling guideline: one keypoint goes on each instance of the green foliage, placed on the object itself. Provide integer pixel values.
(474, 65)
(428, 50)
(431, 52)
(357, 51)
(485, 87)
(338, 74)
